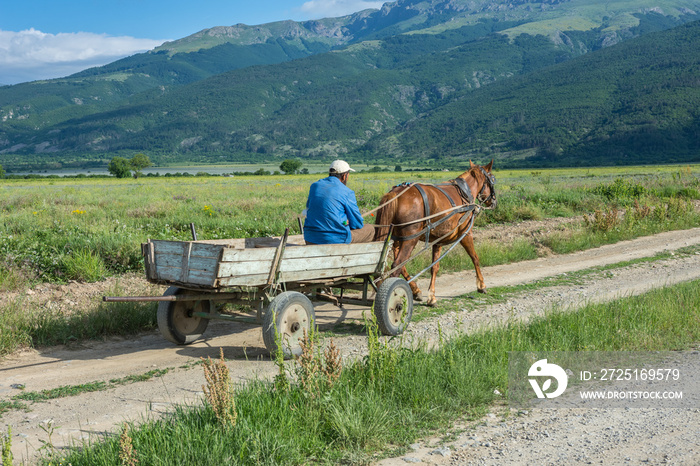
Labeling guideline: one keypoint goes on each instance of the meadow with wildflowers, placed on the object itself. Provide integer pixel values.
(53, 228)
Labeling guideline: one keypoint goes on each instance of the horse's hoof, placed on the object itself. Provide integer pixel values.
(432, 302)
(418, 297)
(483, 290)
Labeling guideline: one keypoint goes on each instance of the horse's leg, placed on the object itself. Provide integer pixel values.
(402, 251)
(437, 250)
(468, 244)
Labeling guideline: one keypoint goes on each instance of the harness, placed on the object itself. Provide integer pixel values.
(491, 181)
(468, 204)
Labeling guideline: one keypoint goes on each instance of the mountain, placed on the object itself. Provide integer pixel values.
(636, 102)
(361, 85)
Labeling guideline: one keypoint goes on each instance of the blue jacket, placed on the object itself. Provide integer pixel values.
(331, 212)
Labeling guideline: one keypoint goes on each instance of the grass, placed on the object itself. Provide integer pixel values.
(12, 405)
(612, 226)
(74, 390)
(396, 394)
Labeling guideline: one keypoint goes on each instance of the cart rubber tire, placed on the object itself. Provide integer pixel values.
(175, 322)
(393, 306)
(289, 314)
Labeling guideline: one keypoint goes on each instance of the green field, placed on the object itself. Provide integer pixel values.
(50, 227)
(58, 230)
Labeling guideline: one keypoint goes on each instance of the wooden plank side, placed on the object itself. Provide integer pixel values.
(230, 272)
(206, 250)
(314, 261)
(252, 254)
(329, 250)
(197, 277)
(333, 262)
(320, 250)
(245, 280)
(185, 267)
(200, 263)
(176, 247)
(325, 273)
(230, 269)
(292, 277)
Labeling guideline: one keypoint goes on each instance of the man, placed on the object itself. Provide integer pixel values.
(332, 215)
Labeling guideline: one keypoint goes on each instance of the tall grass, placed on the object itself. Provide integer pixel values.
(613, 225)
(397, 394)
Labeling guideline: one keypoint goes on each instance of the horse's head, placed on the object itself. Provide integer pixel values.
(485, 184)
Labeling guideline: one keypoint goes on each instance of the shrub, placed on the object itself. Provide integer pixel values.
(84, 266)
(621, 189)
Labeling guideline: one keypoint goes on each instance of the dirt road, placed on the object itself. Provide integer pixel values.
(93, 414)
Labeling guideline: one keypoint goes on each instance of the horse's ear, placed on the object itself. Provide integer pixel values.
(471, 164)
(488, 167)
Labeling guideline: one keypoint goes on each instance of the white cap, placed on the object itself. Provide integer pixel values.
(340, 166)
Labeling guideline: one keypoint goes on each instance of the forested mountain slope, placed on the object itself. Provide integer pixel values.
(637, 102)
(359, 86)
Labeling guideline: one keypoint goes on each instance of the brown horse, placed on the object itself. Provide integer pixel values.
(440, 214)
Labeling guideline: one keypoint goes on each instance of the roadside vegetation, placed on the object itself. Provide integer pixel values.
(319, 411)
(87, 229)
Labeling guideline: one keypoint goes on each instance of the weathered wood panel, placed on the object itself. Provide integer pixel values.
(365, 263)
(243, 255)
(321, 250)
(290, 277)
(186, 262)
(244, 280)
(331, 250)
(177, 247)
(195, 277)
(323, 273)
(195, 262)
(333, 262)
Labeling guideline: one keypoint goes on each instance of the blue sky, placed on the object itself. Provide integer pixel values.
(43, 39)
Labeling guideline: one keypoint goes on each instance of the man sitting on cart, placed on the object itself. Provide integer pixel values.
(332, 214)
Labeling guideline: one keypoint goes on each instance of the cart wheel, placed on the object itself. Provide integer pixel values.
(289, 315)
(175, 320)
(393, 306)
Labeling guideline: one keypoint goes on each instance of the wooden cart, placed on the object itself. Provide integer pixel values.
(275, 277)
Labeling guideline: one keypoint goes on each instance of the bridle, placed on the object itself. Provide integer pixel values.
(490, 181)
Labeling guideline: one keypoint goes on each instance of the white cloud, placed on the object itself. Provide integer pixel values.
(335, 8)
(31, 55)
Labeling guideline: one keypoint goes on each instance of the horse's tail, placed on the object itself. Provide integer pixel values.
(385, 216)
